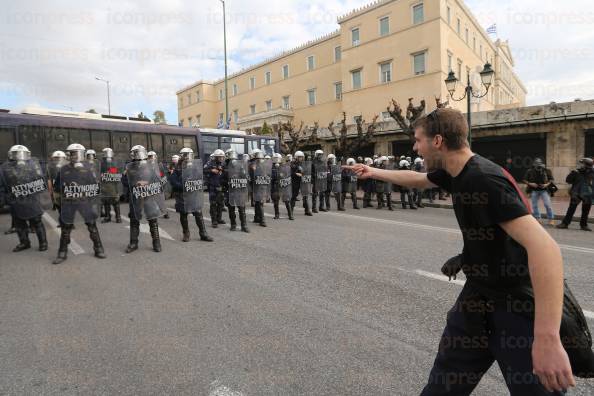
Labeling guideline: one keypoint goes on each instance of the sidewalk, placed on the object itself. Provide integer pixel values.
(560, 205)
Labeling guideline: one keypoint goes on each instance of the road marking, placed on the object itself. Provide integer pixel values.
(74, 247)
(221, 390)
(443, 278)
(144, 228)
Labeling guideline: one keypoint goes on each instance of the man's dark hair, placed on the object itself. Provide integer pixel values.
(449, 123)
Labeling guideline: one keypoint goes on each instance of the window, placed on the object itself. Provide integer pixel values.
(355, 39)
(386, 115)
(285, 72)
(311, 97)
(337, 54)
(235, 143)
(156, 145)
(235, 90)
(385, 72)
(481, 53)
(357, 119)
(310, 63)
(338, 90)
(384, 26)
(286, 103)
(221, 117)
(268, 78)
(449, 13)
(180, 103)
(8, 139)
(190, 122)
(459, 70)
(198, 120)
(474, 44)
(253, 109)
(189, 99)
(197, 96)
(466, 35)
(209, 143)
(419, 63)
(418, 14)
(252, 82)
(221, 95)
(181, 123)
(137, 139)
(99, 140)
(268, 105)
(356, 77)
(458, 27)
(235, 116)
(449, 62)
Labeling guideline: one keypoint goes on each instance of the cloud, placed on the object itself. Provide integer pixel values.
(51, 52)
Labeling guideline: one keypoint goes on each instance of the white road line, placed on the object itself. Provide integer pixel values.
(443, 278)
(221, 390)
(74, 247)
(144, 228)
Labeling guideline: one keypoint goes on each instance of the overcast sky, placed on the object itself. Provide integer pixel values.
(51, 51)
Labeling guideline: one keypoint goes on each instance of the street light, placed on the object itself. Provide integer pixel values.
(108, 102)
(225, 46)
(486, 79)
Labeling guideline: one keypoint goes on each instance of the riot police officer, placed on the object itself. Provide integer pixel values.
(163, 174)
(187, 186)
(349, 184)
(111, 185)
(213, 173)
(23, 185)
(320, 174)
(368, 187)
(261, 172)
(334, 183)
(143, 181)
(301, 181)
(235, 186)
(58, 160)
(79, 186)
(406, 197)
(281, 185)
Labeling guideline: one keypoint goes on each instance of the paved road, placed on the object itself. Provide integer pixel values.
(338, 304)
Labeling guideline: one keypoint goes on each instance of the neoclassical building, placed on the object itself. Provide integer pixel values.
(387, 49)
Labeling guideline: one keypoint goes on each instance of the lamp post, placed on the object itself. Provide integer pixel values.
(225, 47)
(486, 79)
(108, 102)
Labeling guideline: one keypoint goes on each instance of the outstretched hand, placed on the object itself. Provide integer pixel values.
(362, 171)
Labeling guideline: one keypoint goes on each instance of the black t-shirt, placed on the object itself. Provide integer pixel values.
(485, 195)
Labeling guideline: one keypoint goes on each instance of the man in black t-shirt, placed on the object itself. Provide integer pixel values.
(505, 250)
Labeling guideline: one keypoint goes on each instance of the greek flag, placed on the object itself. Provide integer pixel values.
(220, 124)
(228, 124)
(492, 29)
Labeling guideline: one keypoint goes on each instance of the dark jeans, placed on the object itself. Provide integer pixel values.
(472, 341)
(573, 204)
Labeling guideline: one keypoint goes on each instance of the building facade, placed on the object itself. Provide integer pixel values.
(388, 49)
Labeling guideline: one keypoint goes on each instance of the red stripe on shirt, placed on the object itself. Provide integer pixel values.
(511, 179)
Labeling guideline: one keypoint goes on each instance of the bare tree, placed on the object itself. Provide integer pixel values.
(412, 114)
(439, 104)
(346, 147)
(296, 136)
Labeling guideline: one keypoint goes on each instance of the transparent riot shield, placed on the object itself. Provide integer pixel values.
(336, 178)
(262, 180)
(320, 175)
(351, 182)
(25, 188)
(80, 193)
(193, 185)
(146, 190)
(164, 175)
(237, 182)
(111, 179)
(389, 187)
(284, 182)
(306, 179)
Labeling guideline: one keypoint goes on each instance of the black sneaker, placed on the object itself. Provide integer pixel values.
(586, 228)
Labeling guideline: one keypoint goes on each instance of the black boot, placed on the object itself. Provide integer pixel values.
(41, 235)
(97, 245)
(220, 213)
(327, 200)
(276, 210)
(314, 203)
(183, 219)
(306, 206)
(260, 209)
(107, 211)
(213, 215)
(242, 219)
(289, 210)
(389, 202)
(118, 216)
(354, 199)
(154, 228)
(64, 242)
(411, 202)
(380, 201)
(134, 233)
(24, 242)
(232, 218)
(201, 227)
(339, 204)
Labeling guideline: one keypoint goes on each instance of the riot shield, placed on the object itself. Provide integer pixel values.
(262, 180)
(320, 175)
(336, 178)
(389, 187)
(163, 174)
(284, 182)
(237, 180)
(80, 193)
(26, 188)
(146, 190)
(351, 181)
(306, 179)
(193, 185)
(111, 178)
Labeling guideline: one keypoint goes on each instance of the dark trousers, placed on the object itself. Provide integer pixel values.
(473, 341)
(573, 204)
